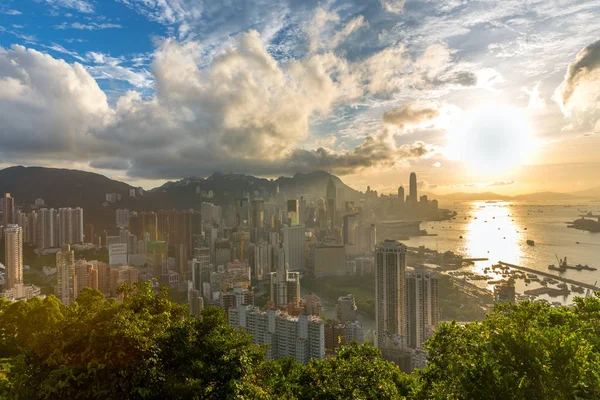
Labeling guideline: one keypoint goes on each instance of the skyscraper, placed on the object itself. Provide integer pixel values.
(413, 188)
(350, 227)
(331, 204)
(285, 287)
(242, 212)
(421, 306)
(294, 244)
(46, 228)
(390, 267)
(293, 212)
(8, 210)
(401, 195)
(65, 275)
(13, 241)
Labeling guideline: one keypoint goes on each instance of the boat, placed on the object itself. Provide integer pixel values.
(530, 242)
(562, 285)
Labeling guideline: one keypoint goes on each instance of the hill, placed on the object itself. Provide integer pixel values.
(592, 192)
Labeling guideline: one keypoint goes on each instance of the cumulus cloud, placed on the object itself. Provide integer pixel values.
(411, 114)
(393, 6)
(245, 111)
(580, 88)
(501, 183)
(536, 102)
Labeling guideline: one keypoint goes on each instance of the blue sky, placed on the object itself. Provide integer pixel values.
(150, 90)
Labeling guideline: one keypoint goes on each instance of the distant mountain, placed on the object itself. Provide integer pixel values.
(592, 192)
(58, 187)
(488, 196)
(73, 188)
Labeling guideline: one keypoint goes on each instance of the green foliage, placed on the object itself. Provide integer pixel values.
(526, 351)
(147, 347)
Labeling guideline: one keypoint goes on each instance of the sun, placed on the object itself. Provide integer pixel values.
(492, 139)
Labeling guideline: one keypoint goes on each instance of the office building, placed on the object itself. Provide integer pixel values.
(86, 275)
(350, 228)
(331, 205)
(117, 254)
(329, 260)
(13, 242)
(390, 311)
(210, 213)
(143, 223)
(414, 197)
(201, 268)
(66, 286)
(260, 260)
(294, 245)
(8, 209)
(242, 212)
(422, 306)
(293, 212)
(401, 195)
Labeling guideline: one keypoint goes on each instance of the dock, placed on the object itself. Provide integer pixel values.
(558, 278)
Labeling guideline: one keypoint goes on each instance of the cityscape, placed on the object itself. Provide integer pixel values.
(278, 199)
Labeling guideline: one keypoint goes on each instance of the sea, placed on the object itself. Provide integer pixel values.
(499, 231)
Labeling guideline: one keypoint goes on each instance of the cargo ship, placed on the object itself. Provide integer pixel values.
(587, 224)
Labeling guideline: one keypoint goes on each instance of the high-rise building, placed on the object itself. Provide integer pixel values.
(331, 205)
(261, 266)
(401, 194)
(8, 209)
(302, 210)
(285, 287)
(242, 212)
(142, 223)
(13, 242)
(201, 268)
(413, 188)
(70, 226)
(390, 275)
(346, 309)
(302, 337)
(294, 245)
(421, 306)
(47, 232)
(258, 215)
(66, 284)
(235, 298)
(293, 212)
(86, 275)
(122, 218)
(350, 227)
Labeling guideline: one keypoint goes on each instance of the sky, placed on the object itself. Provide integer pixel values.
(492, 95)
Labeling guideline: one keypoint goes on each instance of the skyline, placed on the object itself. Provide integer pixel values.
(369, 91)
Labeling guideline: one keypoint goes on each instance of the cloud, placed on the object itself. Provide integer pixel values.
(111, 163)
(11, 12)
(536, 102)
(393, 6)
(378, 151)
(436, 164)
(245, 111)
(500, 183)
(411, 114)
(83, 6)
(580, 88)
(92, 26)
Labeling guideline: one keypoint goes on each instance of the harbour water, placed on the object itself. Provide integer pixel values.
(500, 230)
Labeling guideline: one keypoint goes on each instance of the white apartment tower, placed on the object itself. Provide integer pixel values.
(70, 226)
(13, 241)
(285, 287)
(390, 267)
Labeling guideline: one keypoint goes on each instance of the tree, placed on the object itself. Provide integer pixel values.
(525, 351)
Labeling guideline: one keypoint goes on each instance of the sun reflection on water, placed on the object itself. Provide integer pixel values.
(493, 233)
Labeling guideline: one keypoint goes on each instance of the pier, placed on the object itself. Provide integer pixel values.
(558, 278)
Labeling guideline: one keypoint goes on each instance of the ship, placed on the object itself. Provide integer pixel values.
(562, 265)
(530, 242)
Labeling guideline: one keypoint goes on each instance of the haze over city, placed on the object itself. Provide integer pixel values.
(299, 199)
(474, 96)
